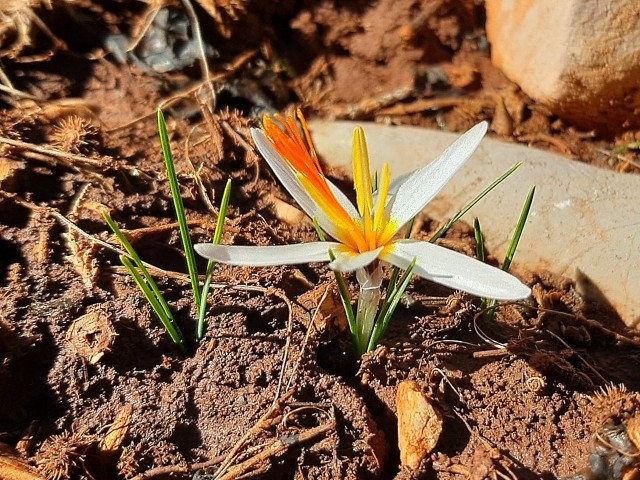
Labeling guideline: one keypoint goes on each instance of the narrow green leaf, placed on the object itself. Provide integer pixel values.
(519, 228)
(343, 290)
(346, 303)
(480, 253)
(148, 293)
(515, 239)
(318, 229)
(189, 253)
(473, 202)
(389, 307)
(217, 236)
(396, 271)
(138, 262)
(477, 233)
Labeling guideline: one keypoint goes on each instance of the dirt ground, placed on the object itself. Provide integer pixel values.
(90, 384)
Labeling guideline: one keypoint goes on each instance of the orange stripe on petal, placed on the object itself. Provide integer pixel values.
(299, 153)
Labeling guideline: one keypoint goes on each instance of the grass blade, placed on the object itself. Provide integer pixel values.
(147, 285)
(393, 280)
(217, 236)
(480, 253)
(138, 262)
(346, 303)
(179, 207)
(167, 321)
(473, 202)
(477, 233)
(345, 298)
(519, 228)
(389, 307)
(515, 239)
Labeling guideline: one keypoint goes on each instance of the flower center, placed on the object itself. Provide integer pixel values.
(373, 229)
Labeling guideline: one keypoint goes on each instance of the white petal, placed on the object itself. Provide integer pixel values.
(267, 256)
(455, 270)
(329, 226)
(347, 261)
(425, 183)
(344, 201)
(290, 181)
(284, 172)
(397, 182)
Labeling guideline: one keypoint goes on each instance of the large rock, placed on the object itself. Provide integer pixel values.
(579, 57)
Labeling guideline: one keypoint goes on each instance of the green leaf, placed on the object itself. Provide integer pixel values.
(189, 253)
(217, 236)
(389, 307)
(473, 202)
(147, 285)
(167, 321)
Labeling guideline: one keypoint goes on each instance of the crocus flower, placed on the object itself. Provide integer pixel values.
(367, 232)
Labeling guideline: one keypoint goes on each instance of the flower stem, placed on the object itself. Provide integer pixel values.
(368, 304)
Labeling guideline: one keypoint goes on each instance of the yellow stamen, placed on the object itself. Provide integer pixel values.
(362, 173)
(383, 191)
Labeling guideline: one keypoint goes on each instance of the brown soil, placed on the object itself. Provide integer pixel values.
(91, 386)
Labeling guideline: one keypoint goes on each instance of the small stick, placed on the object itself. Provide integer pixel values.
(277, 446)
(167, 102)
(158, 271)
(285, 355)
(306, 336)
(591, 367)
(71, 159)
(265, 420)
(197, 33)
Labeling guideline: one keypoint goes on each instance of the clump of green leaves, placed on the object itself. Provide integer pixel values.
(513, 245)
(139, 272)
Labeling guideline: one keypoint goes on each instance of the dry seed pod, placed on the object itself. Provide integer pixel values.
(91, 335)
(615, 452)
(62, 456)
(75, 134)
(615, 402)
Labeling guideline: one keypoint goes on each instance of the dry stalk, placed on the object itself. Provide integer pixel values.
(574, 352)
(271, 417)
(278, 446)
(306, 337)
(204, 64)
(17, 22)
(13, 466)
(79, 163)
(197, 178)
(285, 354)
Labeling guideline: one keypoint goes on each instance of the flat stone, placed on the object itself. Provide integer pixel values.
(579, 57)
(584, 222)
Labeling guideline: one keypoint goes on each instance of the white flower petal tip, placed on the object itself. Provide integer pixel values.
(266, 256)
(456, 270)
(421, 186)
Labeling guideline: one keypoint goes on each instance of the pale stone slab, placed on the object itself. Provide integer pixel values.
(584, 223)
(579, 57)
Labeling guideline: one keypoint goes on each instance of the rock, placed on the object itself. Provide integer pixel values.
(419, 424)
(583, 222)
(581, 58)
